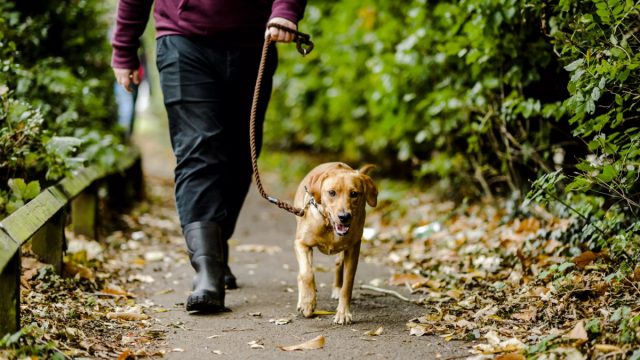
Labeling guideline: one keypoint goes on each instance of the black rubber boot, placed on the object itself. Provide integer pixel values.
(206, 252)
(229, 278)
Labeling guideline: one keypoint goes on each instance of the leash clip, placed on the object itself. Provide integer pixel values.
(303, 40)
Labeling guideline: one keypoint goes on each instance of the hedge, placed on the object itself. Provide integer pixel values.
(57, 110)
(496, 90)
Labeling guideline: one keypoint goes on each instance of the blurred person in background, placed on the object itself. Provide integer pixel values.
(208, 52)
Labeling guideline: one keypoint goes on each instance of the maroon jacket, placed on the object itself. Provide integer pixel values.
(240, 22)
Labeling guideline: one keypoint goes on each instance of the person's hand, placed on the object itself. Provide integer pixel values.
(280, 35)
(126, 77)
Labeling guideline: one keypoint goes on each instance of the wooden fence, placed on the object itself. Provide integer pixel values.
(43, 220)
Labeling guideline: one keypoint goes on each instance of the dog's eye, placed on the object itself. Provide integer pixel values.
(354, 194)
(332, 193)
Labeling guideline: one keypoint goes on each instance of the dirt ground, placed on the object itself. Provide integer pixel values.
(267, 280)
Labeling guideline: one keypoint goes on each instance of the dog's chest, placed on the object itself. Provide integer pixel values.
(332, 244)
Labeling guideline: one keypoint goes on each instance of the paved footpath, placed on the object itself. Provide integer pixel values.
(268, 292)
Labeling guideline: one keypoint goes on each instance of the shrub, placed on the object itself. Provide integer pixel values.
(56, 102)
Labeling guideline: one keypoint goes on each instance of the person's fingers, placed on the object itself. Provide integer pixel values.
(135, 77)
(125, 81)
(281, 35)
(273, 33)
(126, 77)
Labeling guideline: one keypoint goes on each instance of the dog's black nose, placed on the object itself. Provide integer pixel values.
(344, 217)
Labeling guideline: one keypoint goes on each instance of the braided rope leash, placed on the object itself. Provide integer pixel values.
(304, 46)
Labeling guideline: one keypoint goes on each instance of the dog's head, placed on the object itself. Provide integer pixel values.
(343, 193)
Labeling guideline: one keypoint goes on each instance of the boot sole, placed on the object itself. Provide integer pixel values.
(204, 303)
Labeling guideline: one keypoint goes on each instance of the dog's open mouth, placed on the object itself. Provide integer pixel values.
(341, 229)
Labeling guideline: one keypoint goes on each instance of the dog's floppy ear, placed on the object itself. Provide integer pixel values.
(371, 190)
(366, 168)
(315, 186)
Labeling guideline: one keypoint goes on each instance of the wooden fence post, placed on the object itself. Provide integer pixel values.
(84, 209)
(10, 296)
(49, 242)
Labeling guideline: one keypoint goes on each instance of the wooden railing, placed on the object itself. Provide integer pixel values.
(43, 220)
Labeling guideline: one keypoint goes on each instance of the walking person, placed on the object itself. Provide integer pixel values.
(208, 52)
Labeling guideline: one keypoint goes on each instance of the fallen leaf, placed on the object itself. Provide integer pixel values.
(511, 356)
(79, 271)
(526, 315)
(419, 330)
(606, 348)
(284, 321)
(256, 344)
(529, 225)
(142, 278)
(584, 259)
(153, 256)
(454, 294)
(128, 316)
(313, 344)
(126, 354)
(496, 345)
(411, 279)
(578, 332)
(117, 291)
(376, 332)
(30, 267)
(323, 312)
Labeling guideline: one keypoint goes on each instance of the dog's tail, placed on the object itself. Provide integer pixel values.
(366, 168)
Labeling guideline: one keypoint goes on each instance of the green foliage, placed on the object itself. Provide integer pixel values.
(605, 97)
(56, 92)
(486, 91)
(21, 193)
(598, 42)
(27, 342)
(451, 89)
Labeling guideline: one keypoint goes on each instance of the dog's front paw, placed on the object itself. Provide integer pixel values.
(306, 308)
(343, 317)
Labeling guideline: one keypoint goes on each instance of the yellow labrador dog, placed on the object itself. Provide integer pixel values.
(334, 196)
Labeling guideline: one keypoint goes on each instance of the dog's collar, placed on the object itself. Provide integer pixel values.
(312, 202)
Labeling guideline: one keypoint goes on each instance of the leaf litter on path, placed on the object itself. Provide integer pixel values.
(91, 311)
(313, 344)
(483, 267)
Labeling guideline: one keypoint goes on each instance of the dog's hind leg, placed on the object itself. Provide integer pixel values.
(337, 280)
(306, 280)
(343, 312)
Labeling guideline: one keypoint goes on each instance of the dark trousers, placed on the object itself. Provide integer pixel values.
(208, 90)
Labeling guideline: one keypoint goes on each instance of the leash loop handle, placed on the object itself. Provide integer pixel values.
(304, 46)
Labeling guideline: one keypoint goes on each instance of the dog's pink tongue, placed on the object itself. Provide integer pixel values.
(342, 228)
